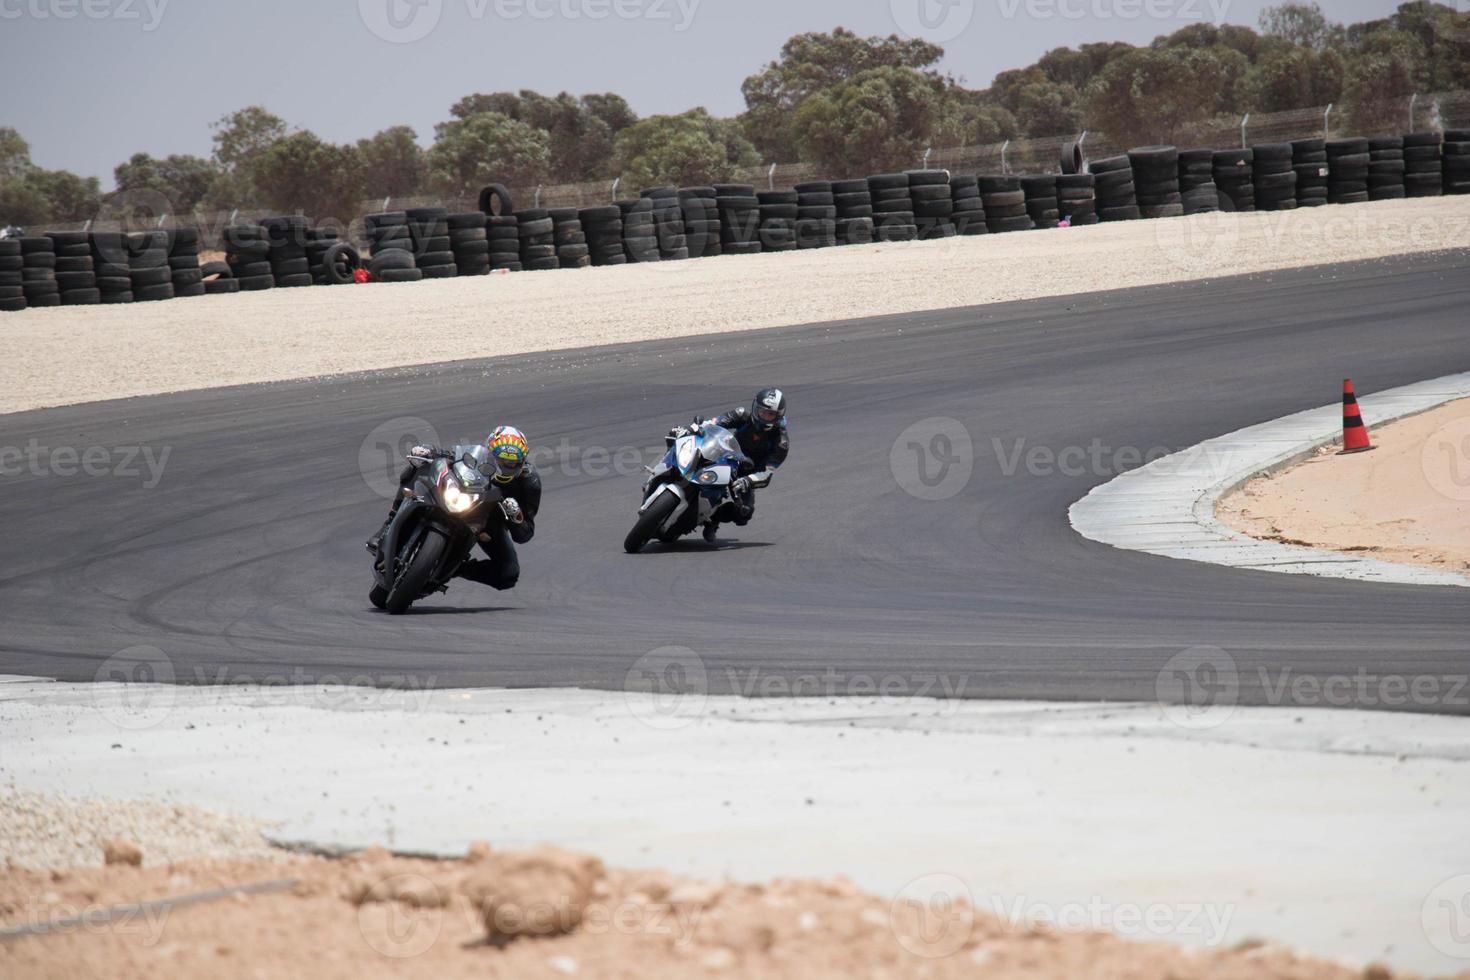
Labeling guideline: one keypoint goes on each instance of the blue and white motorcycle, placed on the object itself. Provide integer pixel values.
(691, 486)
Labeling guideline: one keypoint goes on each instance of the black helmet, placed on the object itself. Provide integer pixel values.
(768, 409)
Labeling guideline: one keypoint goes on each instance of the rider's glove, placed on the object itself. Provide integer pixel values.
(512, 511)
(678, 432)
(419, 455)
(741, 485)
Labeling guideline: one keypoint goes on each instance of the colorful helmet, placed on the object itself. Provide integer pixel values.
(768, 409)
(508, 451)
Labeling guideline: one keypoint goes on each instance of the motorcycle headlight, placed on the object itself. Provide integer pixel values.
(688, 452)
(456, 501)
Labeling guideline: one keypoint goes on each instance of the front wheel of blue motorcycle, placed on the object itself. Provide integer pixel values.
(650, 523)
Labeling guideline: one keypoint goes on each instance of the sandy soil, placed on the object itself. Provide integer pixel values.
(77, 354)
(549, 913)
(1406, 501)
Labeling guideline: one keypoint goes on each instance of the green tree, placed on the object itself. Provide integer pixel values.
(393, 163)
(816, 63)
(1046, 108)
(1302, 24)
(881, 119)
(70, 197)
(15, 154)
(240, 139)
(611, 109)
(303, 174)
(693, 148)
(22, 203)
(1152, 96)
(490, 146)
(183, 180)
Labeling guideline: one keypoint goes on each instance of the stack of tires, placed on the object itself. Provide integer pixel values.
(701, 221)
(1386, 168)
(1042, 206)
(76, 270)
(183, 262)
(1457, 161)
(503, 232)
(110, 263)
(1348, 161)
(740, 219)
(495, 202)
(432, 253)
(816, 216)
(38, 273)
(12, 276)
(969, 209)
(1275, 178)
(218, 280)
(1077, 198)
(148, 266)
(933, 203)
(569, 238)
(331, 262)
(853, 205)
(287, 237)
(1235, 179)
(1423, 165)
(469, 244)
(1005, 203)
(1156, 181)
(640, 234)
(1197, 188)
(603, 227)
(390, 247)
(1117, 196)
(1309, 160)
(893, 208)
(538, 240)
(780, 212)
(668, 223)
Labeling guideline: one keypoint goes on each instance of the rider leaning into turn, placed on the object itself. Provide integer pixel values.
(761, 432)
(512, 522)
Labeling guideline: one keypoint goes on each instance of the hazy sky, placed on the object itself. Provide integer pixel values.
(89, 82)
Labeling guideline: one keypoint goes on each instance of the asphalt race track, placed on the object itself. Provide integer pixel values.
(245, 561)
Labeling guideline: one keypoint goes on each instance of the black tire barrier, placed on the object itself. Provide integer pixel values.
(503, 237)
(12, 293)
(1235, 179)
(1456, 161)
(1386, 169)
(701, 219)
(933, 203)
(894, 219)
(537, 234)
(1424, 164)
(640, 238)
(76, 269)
(779, 211)
(428, 231)
(1347, 171)
(183, 262)
(1117, 196)
(1156, 181)
(603, 227)
(495, 200)
(1197, 189)
(470, 243)
(969, 209)
(1042, 206)
(1077, 198)
(1275, 178)
(1072, 160)
(816, 217)
(739, 211)
(1005, 203)
(668, 223)
(1309, 160)
(569, 239)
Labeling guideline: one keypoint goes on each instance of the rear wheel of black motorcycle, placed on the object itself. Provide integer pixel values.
(414, 577)
(649, 523)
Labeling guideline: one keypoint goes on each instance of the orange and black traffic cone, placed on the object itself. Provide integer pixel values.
(1354, 431)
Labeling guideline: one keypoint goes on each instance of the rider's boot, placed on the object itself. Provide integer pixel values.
(710, 530)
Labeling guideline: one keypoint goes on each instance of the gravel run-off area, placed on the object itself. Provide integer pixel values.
(78, 354)
(1406, 501)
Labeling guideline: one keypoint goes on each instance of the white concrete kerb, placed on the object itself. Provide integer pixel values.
(1167, 507)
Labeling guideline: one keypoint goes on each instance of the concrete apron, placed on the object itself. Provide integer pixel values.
(1338, 832)
(1167, 507)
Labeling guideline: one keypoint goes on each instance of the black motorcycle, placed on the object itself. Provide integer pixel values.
(438, 524)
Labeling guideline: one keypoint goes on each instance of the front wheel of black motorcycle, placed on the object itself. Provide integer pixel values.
(650, 522)
(379, 597)
(414, 576)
